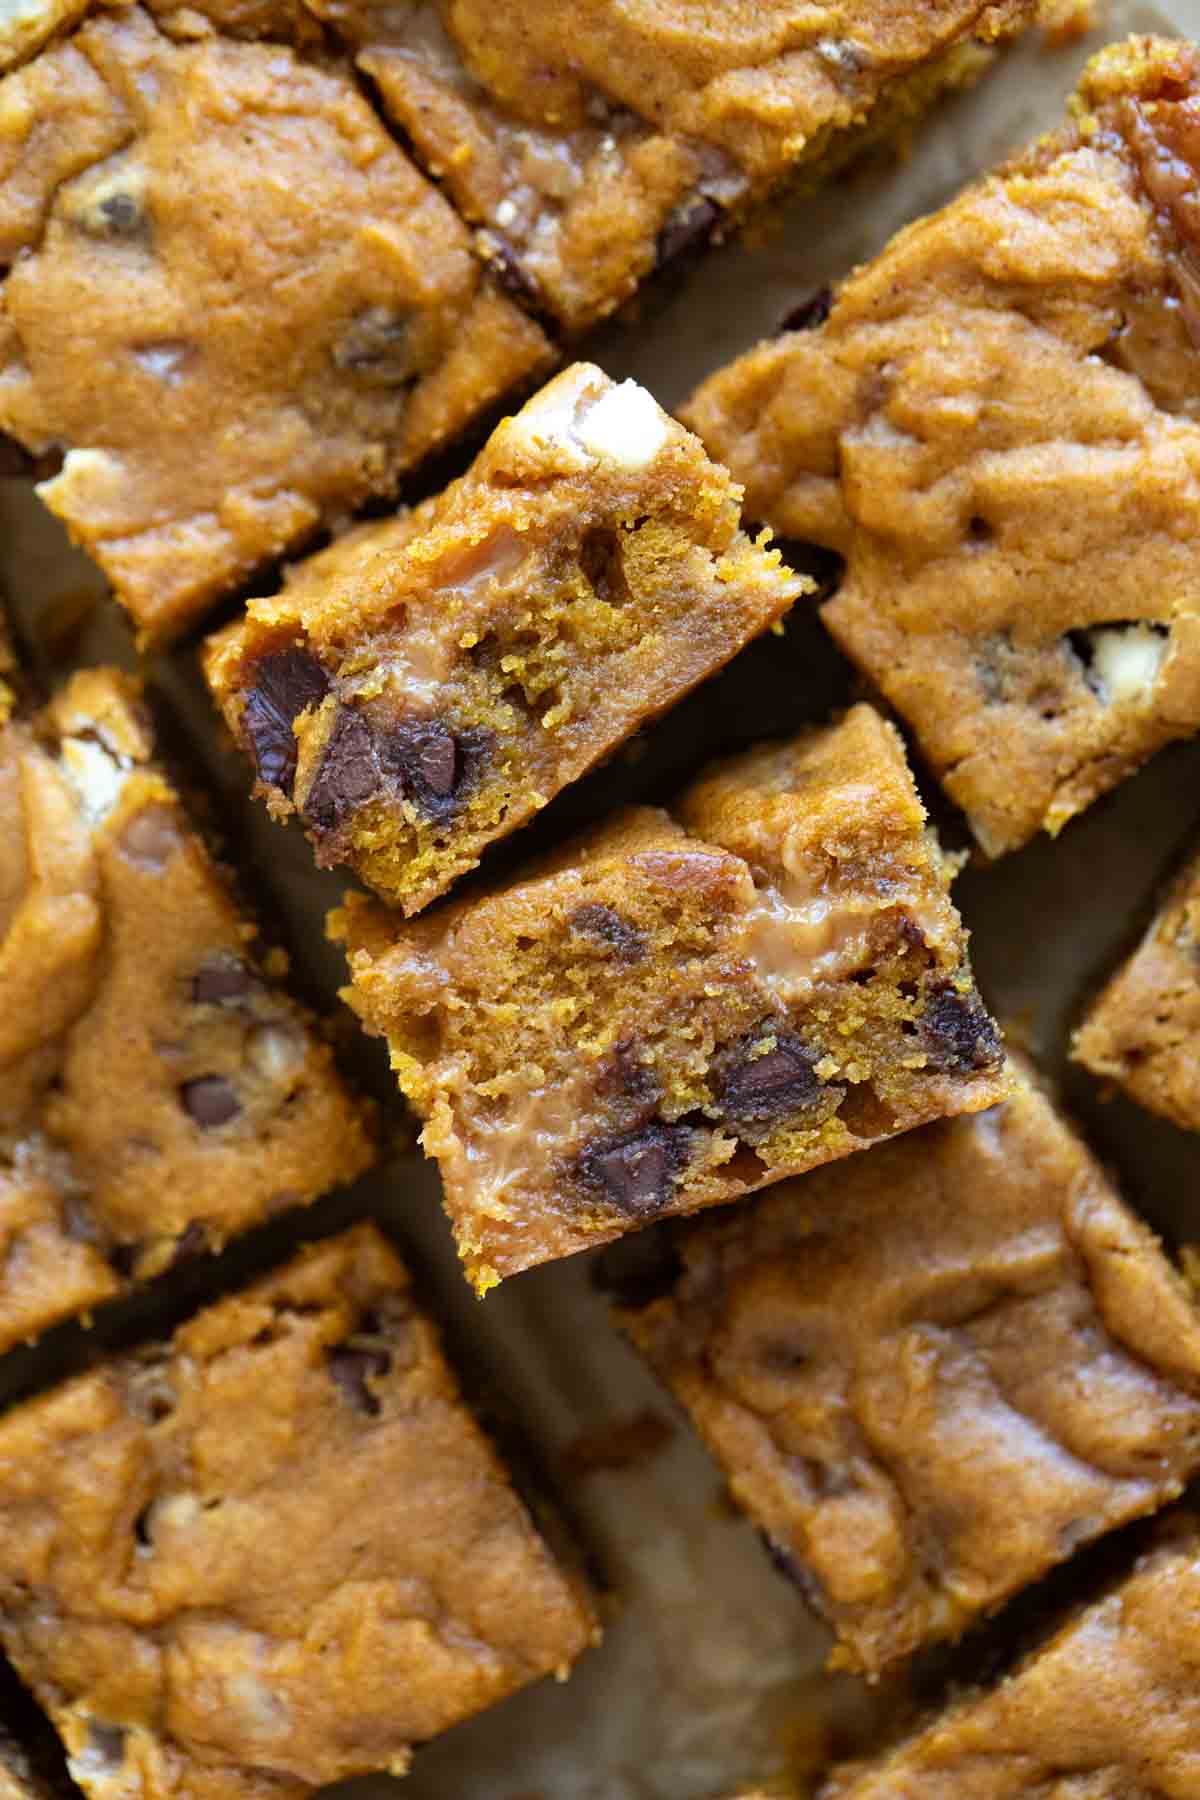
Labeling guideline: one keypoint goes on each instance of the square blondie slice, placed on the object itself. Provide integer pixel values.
(1143, 1031)
(428, 684)
(274, 1551)
(998, 427)
(1107, 1709)
(684, 1005)
(592, 143)
(287, 315)
(160, 1091)
(931, 1372)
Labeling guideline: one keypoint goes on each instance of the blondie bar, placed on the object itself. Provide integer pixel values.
(273, 1552)
(287, 315)
(931, 1372)
(426, 685)
(159, 1090)
(1144, 1029)
(998, 427)
(593, 142)
(1108, 1709)
(684, 1005)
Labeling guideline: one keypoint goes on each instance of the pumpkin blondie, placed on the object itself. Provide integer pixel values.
(427, 684)
(684, 1005)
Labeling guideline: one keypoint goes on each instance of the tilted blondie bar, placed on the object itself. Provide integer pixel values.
(686, 1005)
(998, 427)
(593, 142)
(932, 1372)
(1108, 1709)
(275, 1551)
(159, 1090)
(1144, 1029)
(286, 313)
(428, 684)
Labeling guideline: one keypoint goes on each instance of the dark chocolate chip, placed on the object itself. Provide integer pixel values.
(351, 1369)
(348, 775)
(122, 215)
(686, 231)
(959, 1036)
(810, 312)
(377, 348)
(222, 978)
(210, 1101)
(603, 923)
(430, 764)
(510, 272)
(636, 1171)
(286, 683)
(758, 1089)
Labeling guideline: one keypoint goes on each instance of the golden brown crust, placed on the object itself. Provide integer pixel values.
(1143, 1031)
(682, 1007)
(933, 1372)
(159, 1091)
(998, 426)
(288, 315)
(1107, 1710)
(594, 142)
(428, 684)
(275, 1552)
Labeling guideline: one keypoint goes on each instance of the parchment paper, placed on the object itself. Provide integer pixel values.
(711, 1669)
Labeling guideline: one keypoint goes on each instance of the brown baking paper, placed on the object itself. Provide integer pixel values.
(711, 1668)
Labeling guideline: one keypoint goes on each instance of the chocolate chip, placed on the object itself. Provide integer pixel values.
(959, 1036)
(510, 272)
(686, 231)
(809, 313)
(430, 763)
(603, 923)
(351, 1369)
(122, 215)
(348, 775)
(222, 978)
(377, 347)
(286, 683)
(210, 1101)
(760, 1088)
(636, 1171)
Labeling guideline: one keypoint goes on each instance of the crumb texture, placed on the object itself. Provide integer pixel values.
(933, 1372)
(1006, 404)
(684, 1006)
(427, 684)
(159, 1091)
(273, 1553)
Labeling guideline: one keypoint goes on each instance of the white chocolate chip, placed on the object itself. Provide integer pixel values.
(276, 1052)
(87, 478)
(506, 214)
(95, 776)
(626, 426)
(1126, 660)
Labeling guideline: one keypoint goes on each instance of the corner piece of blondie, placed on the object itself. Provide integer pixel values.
(932, 1372)
(273, 1552)
(1108, 1709)
(159, 1089)
(1143, 1031)
(429, 683)
(231, 303)
(998, 427)
(684, 1005)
